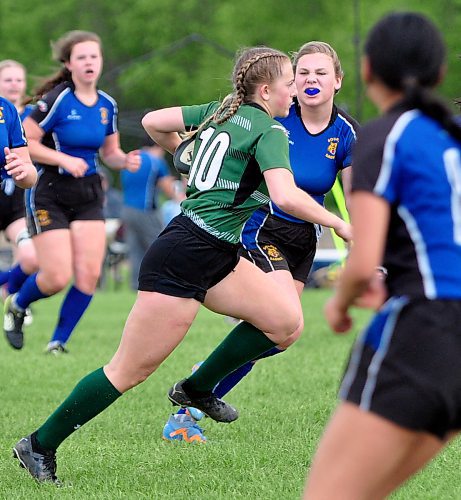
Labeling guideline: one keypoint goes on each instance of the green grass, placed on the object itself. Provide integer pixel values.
(284, 405)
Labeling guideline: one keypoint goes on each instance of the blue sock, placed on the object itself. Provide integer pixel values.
(4, 276)
(29, 292)
(16, 279)
(229, 382)
(72, 309)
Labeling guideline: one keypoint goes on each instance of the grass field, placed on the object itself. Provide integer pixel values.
(284, 404)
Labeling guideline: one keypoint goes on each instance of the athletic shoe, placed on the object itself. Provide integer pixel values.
(183, 428)
(215, 408)
(195, 413)
(55, 347)
(12, 324)
(28, 318)
(41, 466)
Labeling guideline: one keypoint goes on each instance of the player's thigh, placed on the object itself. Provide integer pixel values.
(88, 244)
(252, 295)
(359, 453)
(155, 326)
(54, 252)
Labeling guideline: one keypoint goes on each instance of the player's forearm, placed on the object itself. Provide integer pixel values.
(115, 159)
(303, 206)
(43, 154)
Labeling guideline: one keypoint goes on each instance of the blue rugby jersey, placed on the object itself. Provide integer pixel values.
(74, 128)
(28, 108)
(11, 134)
(139, 188)
(315, 160)
(409, 160)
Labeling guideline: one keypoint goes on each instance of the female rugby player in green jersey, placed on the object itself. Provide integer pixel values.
(321, 137)
(241, 157)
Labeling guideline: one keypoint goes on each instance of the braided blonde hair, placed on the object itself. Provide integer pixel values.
(254, 65)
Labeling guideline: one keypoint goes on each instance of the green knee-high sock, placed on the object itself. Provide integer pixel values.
(244, 343)
(93, 394)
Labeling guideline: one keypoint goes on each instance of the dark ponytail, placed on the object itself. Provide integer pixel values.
(423, 99)
(406, 52)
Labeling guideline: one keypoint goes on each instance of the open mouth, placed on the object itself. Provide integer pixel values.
(311, 91)
(89, 72)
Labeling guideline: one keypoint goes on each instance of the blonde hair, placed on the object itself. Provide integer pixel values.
(62, 50)
(315, 47)
(253, 66)
(11, 63)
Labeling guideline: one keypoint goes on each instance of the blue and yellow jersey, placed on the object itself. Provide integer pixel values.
(74, 128)
(11, 132)
(315, 160)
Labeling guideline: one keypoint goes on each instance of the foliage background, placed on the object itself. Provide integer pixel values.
(161, 53)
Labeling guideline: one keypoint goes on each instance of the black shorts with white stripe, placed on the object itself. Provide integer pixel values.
(405, 365)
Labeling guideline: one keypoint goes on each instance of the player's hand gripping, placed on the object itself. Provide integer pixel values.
(75, 166)
(133, 161)
(15, 165)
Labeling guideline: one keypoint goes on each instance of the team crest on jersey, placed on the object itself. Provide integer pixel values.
(272, 252)
(104, 115)
(43, 217)
(42, 106)
(2, 119)
(332, 147)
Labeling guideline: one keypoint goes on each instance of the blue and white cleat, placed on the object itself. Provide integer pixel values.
(182, 427)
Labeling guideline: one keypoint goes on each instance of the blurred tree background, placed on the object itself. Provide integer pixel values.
(163, 53)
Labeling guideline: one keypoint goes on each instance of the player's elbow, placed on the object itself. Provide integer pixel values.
(148, 121)
(284, 201)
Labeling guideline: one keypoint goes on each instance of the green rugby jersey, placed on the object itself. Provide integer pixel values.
(226, 184)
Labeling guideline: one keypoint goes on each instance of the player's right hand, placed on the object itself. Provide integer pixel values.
(344, 231)
(75, 166)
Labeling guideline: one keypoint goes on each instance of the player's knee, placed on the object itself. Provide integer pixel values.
(293, 337)
(286, 325)
(55, 280)
(87, 279)
(28, 262)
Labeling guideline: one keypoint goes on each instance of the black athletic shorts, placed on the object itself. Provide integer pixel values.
(283, 245)
(185, 261)
(406, 365)
(12, 207)
(57, 200)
